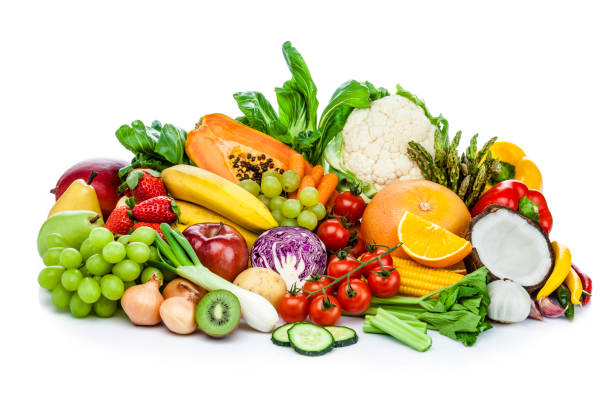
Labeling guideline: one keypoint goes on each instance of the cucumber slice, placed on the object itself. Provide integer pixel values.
(280, 336)
(343, 336)
(310, 340)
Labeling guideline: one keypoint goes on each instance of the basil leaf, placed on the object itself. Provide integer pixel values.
(137, 138)
(302, 82)
(171, 143)
(529, 209)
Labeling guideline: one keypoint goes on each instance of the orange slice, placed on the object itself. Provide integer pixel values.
(429, 244)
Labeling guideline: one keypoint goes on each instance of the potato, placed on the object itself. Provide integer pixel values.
(264, 282)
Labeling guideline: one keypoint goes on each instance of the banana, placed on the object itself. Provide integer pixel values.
(190, 183)
(194, 214)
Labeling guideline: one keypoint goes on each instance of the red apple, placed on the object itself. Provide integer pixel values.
(220, 248)
(105, 183)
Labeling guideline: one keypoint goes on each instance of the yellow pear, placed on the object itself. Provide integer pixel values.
(80, 195)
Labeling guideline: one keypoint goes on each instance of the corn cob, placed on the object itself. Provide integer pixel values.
(418, 280)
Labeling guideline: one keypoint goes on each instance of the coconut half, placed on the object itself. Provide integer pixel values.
(511, 246)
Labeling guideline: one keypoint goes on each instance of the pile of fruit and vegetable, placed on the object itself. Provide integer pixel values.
(289, 221)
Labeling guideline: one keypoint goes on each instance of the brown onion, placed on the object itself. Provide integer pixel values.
(178, 314)
(183, 288)
(141, 303)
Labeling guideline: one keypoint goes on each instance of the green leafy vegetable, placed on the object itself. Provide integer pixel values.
(296, 121)
(155, 147)
(459, 312)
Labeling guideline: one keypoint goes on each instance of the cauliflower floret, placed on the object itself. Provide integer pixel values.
(376, 140)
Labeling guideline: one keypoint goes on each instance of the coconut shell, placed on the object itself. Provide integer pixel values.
(473, 262)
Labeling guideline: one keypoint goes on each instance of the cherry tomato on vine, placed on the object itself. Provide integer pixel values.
(349, 205)
(317, 282)
(386, 260)
(338, 267)
(324, 311)
(333, 234)
(354, 298)
(384, 283)
(293, 307)
(356, 243)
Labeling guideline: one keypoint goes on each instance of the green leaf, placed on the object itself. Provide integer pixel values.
(291, 111)
(259, 113)
(302, 82)
(171, 144)
(439, 121)
(137, 138)
(529, 209)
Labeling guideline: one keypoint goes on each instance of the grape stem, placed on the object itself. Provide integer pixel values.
(348, 274)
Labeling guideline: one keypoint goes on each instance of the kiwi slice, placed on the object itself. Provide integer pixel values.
(218, 313)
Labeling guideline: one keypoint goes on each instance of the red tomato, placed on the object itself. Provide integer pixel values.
(324, 311)
(386, 260)
(356, 298)
(339, 267)
(333, 234)
(349, 206)
(359, 246)
(384, 284)
(317, 282)
(293, 307)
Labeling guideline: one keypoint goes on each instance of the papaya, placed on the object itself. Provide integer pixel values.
(235, 151)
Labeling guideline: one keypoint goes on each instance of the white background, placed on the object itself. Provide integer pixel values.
(534, 73)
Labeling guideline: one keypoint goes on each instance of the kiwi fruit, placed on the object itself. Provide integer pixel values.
(218, 313)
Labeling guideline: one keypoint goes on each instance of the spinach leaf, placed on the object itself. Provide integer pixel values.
(137, 138)
(171, 143)
(156, 147)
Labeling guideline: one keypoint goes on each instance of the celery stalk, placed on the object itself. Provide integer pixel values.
(401, 330)
(368, 326)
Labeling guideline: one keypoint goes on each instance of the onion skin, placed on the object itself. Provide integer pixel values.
(141, 303)
(183, 288)
(178, 314)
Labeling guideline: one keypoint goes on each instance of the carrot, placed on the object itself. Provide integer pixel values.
(297, 163)
(330, 202)
(307, 181)
(317, 174)
(327, 186)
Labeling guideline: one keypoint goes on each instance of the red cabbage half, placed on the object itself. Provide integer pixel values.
(294, 252)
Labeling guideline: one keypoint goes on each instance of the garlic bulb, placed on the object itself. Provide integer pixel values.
(510, 302)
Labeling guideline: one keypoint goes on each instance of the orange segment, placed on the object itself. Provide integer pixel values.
(429, 244)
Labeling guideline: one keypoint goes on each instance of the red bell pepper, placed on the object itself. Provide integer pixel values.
(510, 193)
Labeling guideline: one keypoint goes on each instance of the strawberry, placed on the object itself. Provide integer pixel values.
(155, 225)
(145, 184)
(157, 209)
(119, 221)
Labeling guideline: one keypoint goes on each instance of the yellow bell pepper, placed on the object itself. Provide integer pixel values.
(573, 283)
(517, 164)
(563, 265)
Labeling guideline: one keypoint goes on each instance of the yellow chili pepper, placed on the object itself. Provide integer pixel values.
(573, 283)
(516, 165)
(563, 265)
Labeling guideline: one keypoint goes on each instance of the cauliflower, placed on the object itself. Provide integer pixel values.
(376, 140)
